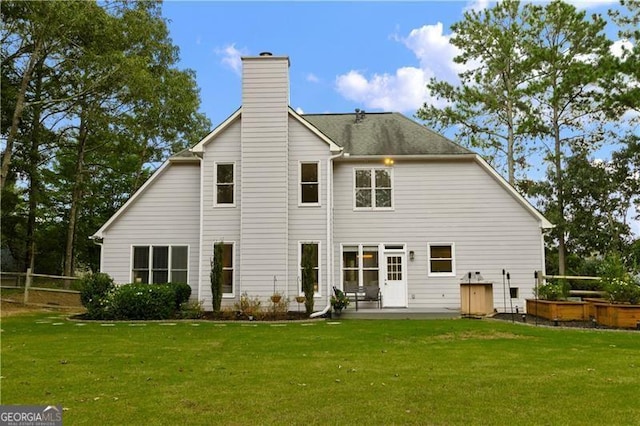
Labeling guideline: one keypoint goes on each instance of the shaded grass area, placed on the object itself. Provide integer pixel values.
(356, 371)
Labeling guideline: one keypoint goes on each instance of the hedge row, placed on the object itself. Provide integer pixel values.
(106, 301)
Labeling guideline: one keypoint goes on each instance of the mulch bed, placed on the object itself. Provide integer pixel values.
(533, 320)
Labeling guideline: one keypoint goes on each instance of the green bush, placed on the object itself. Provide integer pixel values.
(182, 292)
(623, 290)
(552, 291)
(96, 291)
(143, 302)
(191, 310)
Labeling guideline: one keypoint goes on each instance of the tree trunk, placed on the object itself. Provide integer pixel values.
(76, 197)
(560, 226)
(17, 112)
(32, 171)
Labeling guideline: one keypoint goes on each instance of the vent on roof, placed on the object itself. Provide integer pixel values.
(266, 54)
(359, 115)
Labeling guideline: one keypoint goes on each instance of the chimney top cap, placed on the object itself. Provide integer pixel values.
(266, 54)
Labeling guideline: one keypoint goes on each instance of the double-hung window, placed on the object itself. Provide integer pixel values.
(309, 184)
(312, 249)
(225, 192)
(373, 189)
(227, 268)
(160, 264)
(441, 259)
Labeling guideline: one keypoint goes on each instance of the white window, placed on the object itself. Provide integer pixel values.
(441, 259)
(225, 188)
(227, 268)
(160, 264)
(373, 189)
(314, 249)
(309, 189)
(360, 267)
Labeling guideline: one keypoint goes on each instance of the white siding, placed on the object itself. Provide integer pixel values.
(264, 174)
(167, 213)
(438, 202)
(306, 223)
(220, 223)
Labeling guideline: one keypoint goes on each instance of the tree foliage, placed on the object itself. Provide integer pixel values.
(541, 84)
(216, 276)
(96, 101)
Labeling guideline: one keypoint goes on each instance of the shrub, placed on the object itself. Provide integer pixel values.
(248, 306)
(552, 291)
(182, 292)
(96, 291)
(216, 276)
(623, 290)
(191, 310)
(143, 302)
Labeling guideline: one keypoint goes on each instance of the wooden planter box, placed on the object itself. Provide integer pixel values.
(617, 315)
(561, 310)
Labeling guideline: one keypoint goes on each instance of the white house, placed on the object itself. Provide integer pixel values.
(383, 201)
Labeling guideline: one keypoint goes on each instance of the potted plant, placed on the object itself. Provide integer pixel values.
(276, 297)
(339, 301)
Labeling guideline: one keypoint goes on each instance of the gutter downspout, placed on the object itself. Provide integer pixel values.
(200, 237)
(330, 256)
(98, 241)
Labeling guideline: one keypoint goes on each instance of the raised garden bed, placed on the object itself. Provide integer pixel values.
(561, 310)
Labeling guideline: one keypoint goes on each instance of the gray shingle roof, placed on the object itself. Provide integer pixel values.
(383, 133)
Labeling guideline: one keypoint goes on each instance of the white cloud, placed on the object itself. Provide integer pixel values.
(231, 57)
(405, 89)
(590, 4)
(477, 5)
(299, 110)
(312, 78)
(619, 46)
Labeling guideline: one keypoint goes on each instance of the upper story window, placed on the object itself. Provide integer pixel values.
(373, 188)
(309, 183)
(225, 176)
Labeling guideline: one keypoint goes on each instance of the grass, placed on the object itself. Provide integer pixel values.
(445, 372)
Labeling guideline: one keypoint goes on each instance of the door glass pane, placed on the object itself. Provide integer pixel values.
(394, 268)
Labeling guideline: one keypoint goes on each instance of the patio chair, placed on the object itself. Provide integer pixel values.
(370, 293)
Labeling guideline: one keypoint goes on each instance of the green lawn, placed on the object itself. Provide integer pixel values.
(444, 372)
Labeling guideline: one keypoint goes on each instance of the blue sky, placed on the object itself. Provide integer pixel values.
(376, 56)
(344, 55)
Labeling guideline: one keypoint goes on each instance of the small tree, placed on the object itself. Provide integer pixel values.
(308, 277)
(216, 276)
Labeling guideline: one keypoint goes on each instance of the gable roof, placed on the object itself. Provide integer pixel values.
(383, 133)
